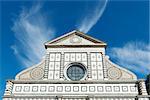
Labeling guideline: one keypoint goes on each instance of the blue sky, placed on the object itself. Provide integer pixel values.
(25, 26)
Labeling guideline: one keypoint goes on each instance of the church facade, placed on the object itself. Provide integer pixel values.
(75, 67)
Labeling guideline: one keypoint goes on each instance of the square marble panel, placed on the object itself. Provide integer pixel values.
(34, 88)
(75, 88)
(18, 88)
(108, 88)
(84, 88)
(116, 88)
(132, 88)
(26, 88)
(43, 88)
(100, 88)
(67, 88)
(125, 88)
(59, 88)
(92, 88)
(51, 89)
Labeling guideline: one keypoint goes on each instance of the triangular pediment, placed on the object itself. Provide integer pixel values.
(75, 38)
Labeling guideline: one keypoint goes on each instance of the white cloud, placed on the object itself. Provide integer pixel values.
(91, 18)
(31, 31)
(134, 56)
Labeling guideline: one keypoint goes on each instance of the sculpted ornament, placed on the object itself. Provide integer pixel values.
(37, 73)
(114, 73)
(75, 39)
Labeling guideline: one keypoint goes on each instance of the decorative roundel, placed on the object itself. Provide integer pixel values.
(76, 71)
(75, 39)
(37, 73)
(114, 73)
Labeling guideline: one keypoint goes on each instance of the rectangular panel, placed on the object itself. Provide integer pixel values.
(99, 65)
(58, 57)
(51, 65)
(50, 74)
(93, 56)
(93, 65)
(99, 57)
(67, 57)
(100, 74)
(57, 65)
(52, 57)
(78, 57)
(84, 56)
(72, 56)
(94, 75)
(56, 74)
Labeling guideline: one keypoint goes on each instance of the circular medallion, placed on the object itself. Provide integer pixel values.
(75, 39)
(114, 73)
(37, 73)
(76, 71)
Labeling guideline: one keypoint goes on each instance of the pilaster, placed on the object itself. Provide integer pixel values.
(104, 67)
(46, 66)
(89, 66)
(62, 66)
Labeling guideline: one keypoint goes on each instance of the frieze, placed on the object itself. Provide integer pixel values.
(75, 89)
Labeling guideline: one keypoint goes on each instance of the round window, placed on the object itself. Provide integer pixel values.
(76, 71)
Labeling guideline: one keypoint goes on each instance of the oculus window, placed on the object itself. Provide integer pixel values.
(76, 71)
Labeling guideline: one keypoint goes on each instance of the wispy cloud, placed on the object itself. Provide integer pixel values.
(134, 56)
(91, 18)
(31, 31)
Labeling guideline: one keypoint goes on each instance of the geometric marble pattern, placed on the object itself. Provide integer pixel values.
(116, 88)
(26, 88)
(96, 65)
(108, 89)
(125, 88)
(18, 88)
(71, 98)
(75, 88)
(54, 66)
